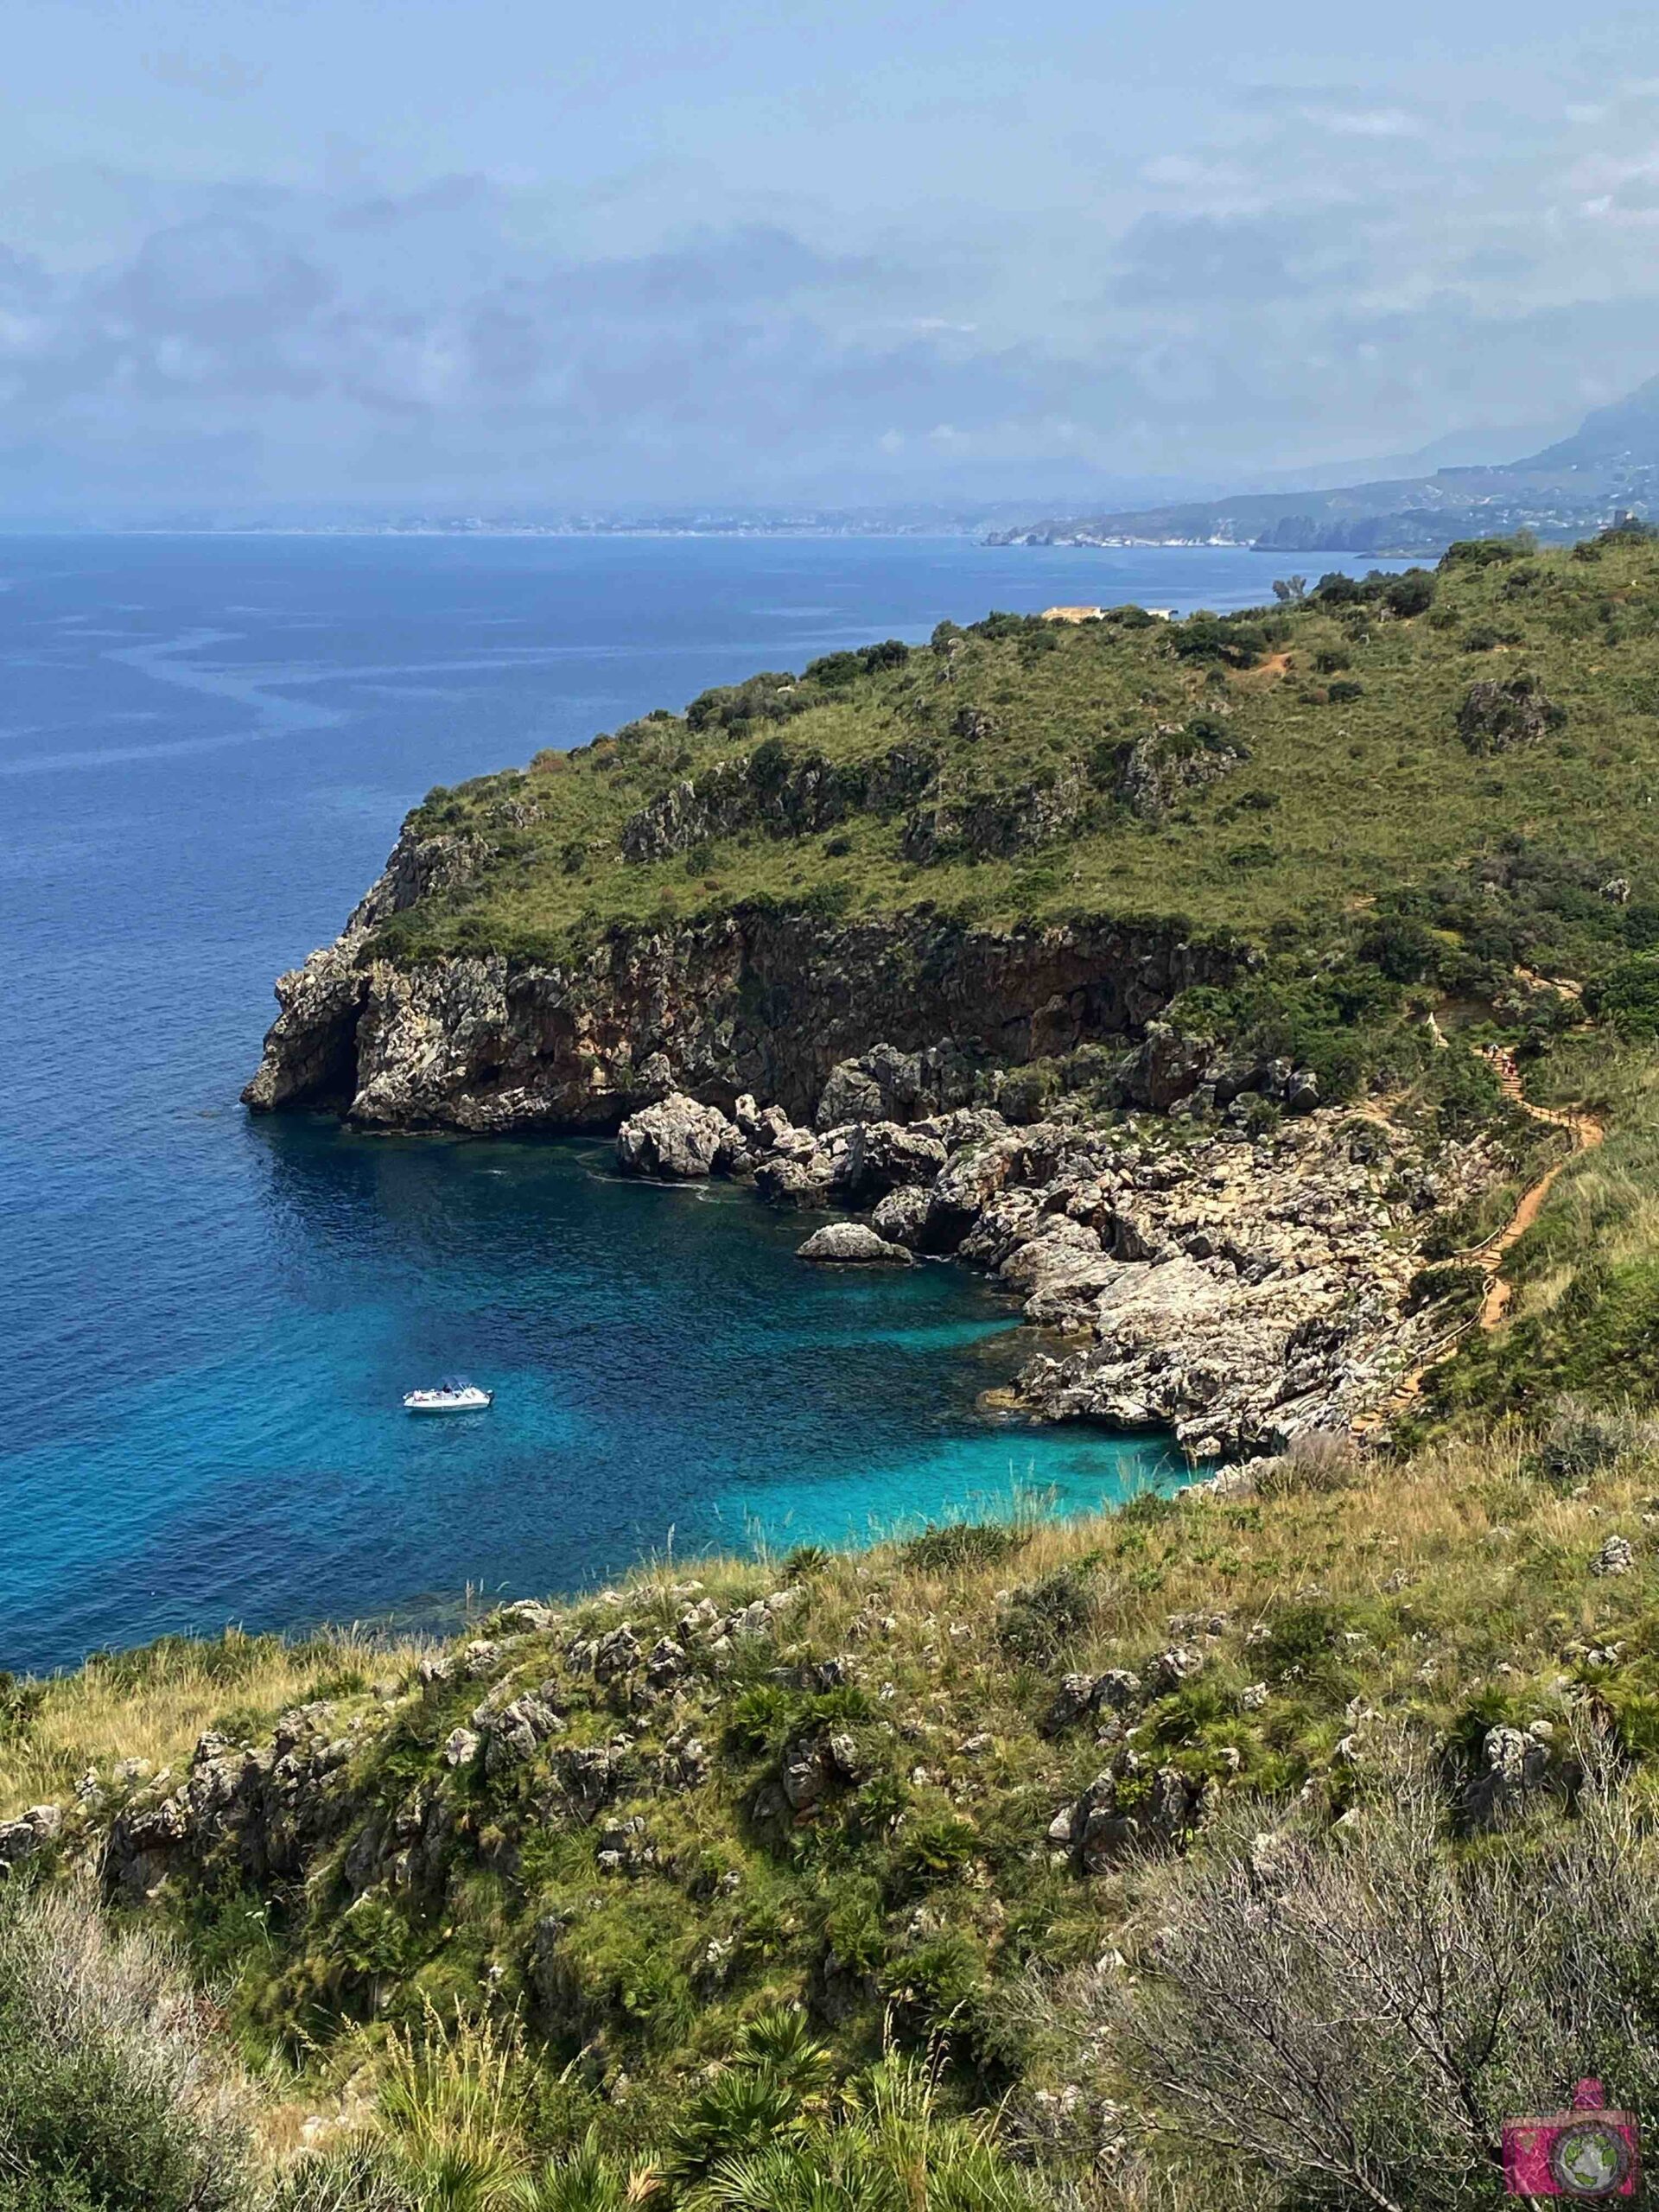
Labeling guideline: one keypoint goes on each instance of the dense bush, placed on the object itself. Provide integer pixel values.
(962, 1543)
(1627, 995)
(1226, 639)
(1042, 1619)
(1486, 552)
(113, 2096)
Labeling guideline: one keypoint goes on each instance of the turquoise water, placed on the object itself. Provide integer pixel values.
(205, 747)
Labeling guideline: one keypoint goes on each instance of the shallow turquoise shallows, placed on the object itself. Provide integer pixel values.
(205, 747)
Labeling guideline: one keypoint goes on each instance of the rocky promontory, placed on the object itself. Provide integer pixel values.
(1234, 1266)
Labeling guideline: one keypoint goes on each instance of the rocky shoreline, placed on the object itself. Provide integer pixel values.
(764, 1001)
(1227, 1257)
(1238, 1282)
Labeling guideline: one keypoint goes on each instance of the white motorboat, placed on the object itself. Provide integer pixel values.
(455, 1394)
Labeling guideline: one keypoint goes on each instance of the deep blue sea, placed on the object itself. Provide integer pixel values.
(206, 744)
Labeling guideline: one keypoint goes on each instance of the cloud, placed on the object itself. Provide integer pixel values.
(1201, 262)
(1311, 274)
(220, 76)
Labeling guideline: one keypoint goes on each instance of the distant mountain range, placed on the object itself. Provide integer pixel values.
(1610, 465)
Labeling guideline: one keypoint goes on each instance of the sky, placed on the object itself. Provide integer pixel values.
(512, 256)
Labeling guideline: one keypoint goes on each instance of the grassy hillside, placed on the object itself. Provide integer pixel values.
(989, 774)
(881, 1836)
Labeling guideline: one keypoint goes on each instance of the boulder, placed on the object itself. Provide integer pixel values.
(676, 1139)
(517, 1733)
(850, 1243)
(901, 1218)
(882, 1155)
(21, 1838)
(1512, 1762)
(881, 1085)
(784, 1181)
(1074, 1697)
(460, 1747)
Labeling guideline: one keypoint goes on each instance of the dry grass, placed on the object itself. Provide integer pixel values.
(153, 1704)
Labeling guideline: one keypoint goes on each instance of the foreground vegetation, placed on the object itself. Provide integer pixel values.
(755, 2004)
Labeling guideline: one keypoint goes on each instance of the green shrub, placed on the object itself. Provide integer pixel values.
(1627, 996)
(1218, 637)
(934, 1848)
(962, 1544)
(1485, 552)
(112, 2095)
(1041, 1619)
(1584, 1440)
(20, 1699)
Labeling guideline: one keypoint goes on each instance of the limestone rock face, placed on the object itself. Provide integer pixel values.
(768, 1004)
(1157, 772)
(851, 1243)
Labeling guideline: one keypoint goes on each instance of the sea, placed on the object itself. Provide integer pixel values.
(206, 744)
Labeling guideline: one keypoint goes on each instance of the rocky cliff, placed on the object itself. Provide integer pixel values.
(759, 1001)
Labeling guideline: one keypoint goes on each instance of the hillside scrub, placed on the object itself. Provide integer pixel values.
(980, 775)
(881, 1808)
(115, 2094)
(1353, 2013)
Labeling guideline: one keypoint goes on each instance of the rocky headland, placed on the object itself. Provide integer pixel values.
(759, 1001)
(1215, 1252)
(1034, 948)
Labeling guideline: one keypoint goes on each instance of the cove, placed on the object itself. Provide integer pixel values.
(670, 1378)
(206, 748)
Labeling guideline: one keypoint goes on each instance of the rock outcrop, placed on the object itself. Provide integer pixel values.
(777, 796)
(763, 1002)
(1157, 772)
(677, 1139)
(1497, 717)
(850, 1243)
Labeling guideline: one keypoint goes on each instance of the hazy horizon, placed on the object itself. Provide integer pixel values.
(369, 259)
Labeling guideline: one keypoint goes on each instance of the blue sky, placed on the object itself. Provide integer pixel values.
(511, 255)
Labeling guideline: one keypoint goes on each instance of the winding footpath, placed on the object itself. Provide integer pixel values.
(1496, 1291)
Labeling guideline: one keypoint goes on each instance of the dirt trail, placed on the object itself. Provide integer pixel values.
(1588, 1133)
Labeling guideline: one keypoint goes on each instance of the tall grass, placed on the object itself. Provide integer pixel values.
(151, 1704)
